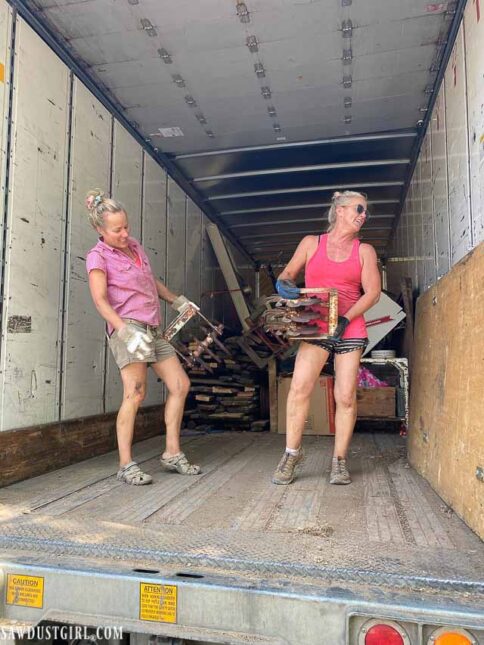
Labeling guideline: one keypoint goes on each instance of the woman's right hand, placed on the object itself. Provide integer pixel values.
(287, 289)
(136, 341)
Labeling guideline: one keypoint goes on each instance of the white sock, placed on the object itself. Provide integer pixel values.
(293, 451)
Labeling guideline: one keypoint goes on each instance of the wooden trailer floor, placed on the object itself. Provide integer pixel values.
(388, 526)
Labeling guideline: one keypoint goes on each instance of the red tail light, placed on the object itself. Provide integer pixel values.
(383, 635)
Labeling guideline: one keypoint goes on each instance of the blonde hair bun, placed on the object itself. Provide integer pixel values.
(98, 204)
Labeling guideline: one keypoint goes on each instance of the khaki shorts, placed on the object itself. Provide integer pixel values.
(161, 349)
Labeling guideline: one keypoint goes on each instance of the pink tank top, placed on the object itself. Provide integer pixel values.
(345, 277)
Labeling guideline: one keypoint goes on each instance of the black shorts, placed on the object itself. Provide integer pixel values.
(340, 346)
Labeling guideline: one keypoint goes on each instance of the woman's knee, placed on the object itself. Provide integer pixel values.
(300, 388)
(180, 386)
(135, 392)
(345, 398)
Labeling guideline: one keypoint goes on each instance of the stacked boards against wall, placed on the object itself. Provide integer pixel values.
(446, 439)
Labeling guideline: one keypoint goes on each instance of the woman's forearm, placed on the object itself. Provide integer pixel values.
(164, 293)
(362, 305)
(108, 313)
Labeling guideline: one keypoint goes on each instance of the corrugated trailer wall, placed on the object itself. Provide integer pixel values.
(444, 209)
(84, 344)
(30, 386)
(442, 218)
(5, 36)
(54, 360)
(126, 186)
(154, 234)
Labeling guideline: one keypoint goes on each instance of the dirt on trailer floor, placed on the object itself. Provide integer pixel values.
(387, 526)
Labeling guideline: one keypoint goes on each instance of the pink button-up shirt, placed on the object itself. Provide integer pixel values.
(131, 289)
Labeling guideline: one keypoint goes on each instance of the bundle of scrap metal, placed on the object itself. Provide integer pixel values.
(296, 319)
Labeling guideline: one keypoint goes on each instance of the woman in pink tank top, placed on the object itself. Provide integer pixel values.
(338, 260)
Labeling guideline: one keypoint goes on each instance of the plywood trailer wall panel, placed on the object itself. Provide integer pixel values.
(474, 42)
(127, 164)
(84, 338)
(439, 189)
(34, 254)
(5, 56)
(458, 152)
(176, 242)
(446, 434)
(154, 242)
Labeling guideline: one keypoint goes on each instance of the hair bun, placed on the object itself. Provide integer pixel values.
(93, 199)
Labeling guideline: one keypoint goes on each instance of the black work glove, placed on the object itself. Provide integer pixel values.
(340, 328)
(287, 289)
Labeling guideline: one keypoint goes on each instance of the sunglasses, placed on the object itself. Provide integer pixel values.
(361, 209)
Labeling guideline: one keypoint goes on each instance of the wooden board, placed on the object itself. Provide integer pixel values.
(376, 402)
(29, 452)
(446, 433)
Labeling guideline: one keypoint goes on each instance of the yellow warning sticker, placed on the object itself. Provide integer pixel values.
(27, 591)
(2, 72)
(157, 602)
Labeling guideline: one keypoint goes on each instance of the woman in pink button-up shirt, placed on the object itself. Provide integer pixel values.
(126, 294)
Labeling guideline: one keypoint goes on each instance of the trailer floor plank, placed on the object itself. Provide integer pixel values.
(387, 525)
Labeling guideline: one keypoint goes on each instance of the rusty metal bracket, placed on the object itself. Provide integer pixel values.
(193, 358)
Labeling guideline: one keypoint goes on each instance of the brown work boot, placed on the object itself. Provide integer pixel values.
(285, 471)
(339, 472)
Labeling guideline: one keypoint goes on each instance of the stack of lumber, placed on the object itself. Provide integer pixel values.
(229, 397)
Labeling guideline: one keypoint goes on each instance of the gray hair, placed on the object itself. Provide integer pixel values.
(341, 199)
(98, 204)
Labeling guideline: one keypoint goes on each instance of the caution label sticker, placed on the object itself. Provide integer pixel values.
(27, 591)
(157, 602)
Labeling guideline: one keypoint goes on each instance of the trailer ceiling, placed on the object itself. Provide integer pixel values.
(279, 102)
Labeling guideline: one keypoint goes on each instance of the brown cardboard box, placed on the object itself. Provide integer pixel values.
(321, 410)
(376, 401)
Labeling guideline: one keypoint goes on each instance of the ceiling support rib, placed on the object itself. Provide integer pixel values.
(296, 233)
(321, 219)
(291, 169)
(306, 189)
(397, 134)
(295, 207)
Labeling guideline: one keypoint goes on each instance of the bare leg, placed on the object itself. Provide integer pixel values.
(346, 377)
(134, 388)
(178, 384)
(309, 363)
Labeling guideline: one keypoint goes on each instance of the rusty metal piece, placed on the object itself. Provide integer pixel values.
(297, 319)
(179, 322)
(218, 331)
(333, 311)
(194, 358)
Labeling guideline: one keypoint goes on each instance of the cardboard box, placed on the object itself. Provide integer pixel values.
(376, 401)
(320, 419)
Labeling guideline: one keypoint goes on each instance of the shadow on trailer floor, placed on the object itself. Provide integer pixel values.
(387, 528)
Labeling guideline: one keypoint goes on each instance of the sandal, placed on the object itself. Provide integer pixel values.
(132, 474)
(180, 464)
